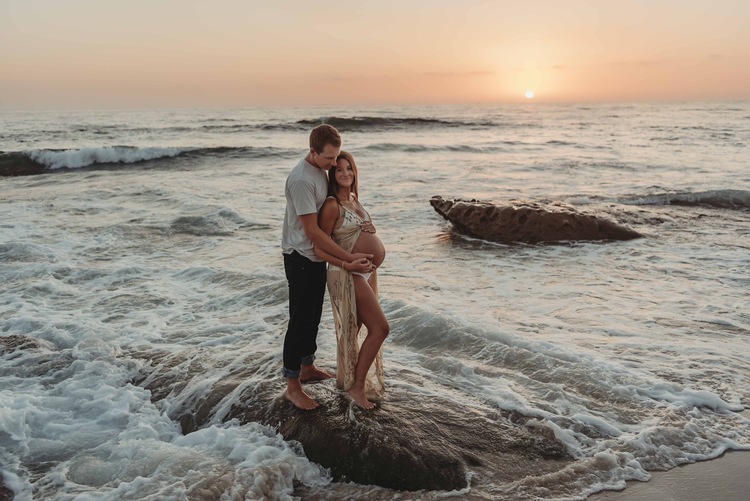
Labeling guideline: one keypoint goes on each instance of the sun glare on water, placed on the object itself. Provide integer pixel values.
(529, 94)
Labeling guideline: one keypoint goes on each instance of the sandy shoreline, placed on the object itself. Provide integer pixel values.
(726, 478)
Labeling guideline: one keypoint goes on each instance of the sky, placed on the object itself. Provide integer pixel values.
(190, 53)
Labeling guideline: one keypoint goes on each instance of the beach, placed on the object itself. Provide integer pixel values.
(144, 305)
(726, 478)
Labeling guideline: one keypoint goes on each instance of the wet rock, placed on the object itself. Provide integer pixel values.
(527, 222)
(5, 493)
(408, 443)
(14, 342)
(390, 447)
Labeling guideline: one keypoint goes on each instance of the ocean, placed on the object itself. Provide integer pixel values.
(141, 270)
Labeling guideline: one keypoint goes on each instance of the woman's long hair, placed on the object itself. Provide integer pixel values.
(333, 186)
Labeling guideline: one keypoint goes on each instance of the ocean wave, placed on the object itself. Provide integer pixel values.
(356, 123)
(223, 222)
(21, 163)
(560, 142)
(462, 148)
(26, 253)
(73, 159)
(341, 123)
(718, 199)
(233, 127)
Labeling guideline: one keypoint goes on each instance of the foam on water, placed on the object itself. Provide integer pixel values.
(634, 355)
(77, 408)
(73, 159)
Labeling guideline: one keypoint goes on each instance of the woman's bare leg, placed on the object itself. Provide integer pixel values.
(371, 315)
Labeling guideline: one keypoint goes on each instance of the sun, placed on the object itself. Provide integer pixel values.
(529, 94)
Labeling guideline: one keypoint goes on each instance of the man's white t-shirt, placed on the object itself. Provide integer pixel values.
(305, 190)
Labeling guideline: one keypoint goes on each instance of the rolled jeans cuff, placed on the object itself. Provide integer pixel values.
(289, 374)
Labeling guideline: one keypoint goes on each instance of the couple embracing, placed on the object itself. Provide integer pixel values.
(325, 223)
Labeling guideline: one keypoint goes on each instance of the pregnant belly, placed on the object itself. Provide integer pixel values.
(369, 243)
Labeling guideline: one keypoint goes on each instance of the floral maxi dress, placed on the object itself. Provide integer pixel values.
(349, 334)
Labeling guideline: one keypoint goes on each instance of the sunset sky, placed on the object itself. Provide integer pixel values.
(100, 53)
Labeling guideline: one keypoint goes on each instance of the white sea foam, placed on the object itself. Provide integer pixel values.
(73, 159)
(120, 443)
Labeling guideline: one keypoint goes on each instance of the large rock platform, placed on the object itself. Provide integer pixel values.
(407, 443)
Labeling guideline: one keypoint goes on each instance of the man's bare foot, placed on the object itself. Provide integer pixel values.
(359, 397)
(299, 398)
(312, 373)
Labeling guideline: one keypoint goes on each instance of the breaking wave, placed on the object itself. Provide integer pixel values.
(356, 123)
(45, 160)
(718, 199)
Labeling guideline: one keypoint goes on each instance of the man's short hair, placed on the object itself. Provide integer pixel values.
(323, 135)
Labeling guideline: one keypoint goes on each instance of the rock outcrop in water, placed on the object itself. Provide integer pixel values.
(527, 222)
(5, 493)
(408, 443)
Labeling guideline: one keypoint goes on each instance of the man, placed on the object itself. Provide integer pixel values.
(306, 190)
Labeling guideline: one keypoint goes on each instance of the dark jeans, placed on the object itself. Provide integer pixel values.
(307, 285)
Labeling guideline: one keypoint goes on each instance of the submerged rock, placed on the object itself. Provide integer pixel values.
(527, 222)
(5, 493)
(13, 342)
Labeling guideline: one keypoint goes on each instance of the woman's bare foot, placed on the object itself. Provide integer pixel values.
(312, 373)
(359, 397)
(298, 397)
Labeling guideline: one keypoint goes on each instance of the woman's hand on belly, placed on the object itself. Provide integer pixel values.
(368, 227)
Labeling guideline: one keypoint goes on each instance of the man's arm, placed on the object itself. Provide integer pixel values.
(361, 265)
(329, 250)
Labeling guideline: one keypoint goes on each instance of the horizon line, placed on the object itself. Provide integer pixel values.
(530, 102)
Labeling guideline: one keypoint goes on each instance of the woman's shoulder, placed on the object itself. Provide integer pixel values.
(330, 206)
(330, 201)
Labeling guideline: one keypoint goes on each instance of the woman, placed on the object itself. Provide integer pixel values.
(361, 326)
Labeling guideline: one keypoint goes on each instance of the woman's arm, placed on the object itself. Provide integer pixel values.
(328, 215)
(320, 239)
